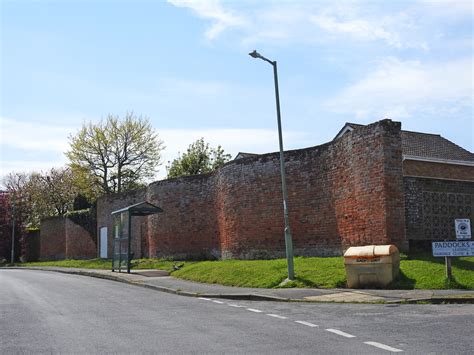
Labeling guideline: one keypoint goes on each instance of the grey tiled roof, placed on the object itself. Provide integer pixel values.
(242, 155)
(426, 145)
(414, 144)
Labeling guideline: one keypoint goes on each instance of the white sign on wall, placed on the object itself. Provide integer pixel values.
(453, 248)
(463, 228)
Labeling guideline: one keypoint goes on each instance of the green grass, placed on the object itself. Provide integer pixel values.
(106, 264)
(84, 264)
(160, 264)
(418, 271)
(311, 272)
(423, 271)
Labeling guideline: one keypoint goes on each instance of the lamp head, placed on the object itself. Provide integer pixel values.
(255, 54)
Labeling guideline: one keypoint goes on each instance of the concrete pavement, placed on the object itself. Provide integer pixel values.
(161, 281)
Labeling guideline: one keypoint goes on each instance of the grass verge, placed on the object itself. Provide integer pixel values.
(106, 264)
(310, 272)
(423, 271)
(418, 271)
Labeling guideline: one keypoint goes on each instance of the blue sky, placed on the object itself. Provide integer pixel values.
(184, 64)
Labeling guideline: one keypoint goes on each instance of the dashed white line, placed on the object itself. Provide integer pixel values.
(340, 332)
(276, 316)
(383, 346)
(335, 331)
(306, 323)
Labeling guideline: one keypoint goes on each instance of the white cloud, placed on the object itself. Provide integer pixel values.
(31, 146)
(399, 89)
(221, 18)
(310, 22)
(34, 136)
(27, 166)
(448, 8)
(46, 144)
(357, 28)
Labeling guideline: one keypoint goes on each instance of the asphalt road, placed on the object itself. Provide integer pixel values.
(47, 312)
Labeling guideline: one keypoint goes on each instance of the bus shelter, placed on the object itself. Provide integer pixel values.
(122, 254)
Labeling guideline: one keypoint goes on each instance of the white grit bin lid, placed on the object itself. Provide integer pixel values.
(371, 251)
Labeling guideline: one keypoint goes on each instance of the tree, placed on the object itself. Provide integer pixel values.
(199, 158)
(40, 195)
(55, 190)
(18, 191)
(116, 154)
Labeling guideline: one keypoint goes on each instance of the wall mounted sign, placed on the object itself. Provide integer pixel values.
(463, 228)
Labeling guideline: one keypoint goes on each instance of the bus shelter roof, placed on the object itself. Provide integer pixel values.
(140, 209)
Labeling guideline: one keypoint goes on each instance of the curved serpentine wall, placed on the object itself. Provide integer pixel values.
(343, 193)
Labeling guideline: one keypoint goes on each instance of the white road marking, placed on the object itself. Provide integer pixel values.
(235, 305)
(306, 323)
(276, 316)
(383, 346)
(340, 332)
(254, 310)
(204, 298)
(220, 302)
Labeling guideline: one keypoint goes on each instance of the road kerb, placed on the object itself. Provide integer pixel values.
(469, 298)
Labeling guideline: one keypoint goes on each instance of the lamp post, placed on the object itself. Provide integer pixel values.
(288, 239)
(13, 233)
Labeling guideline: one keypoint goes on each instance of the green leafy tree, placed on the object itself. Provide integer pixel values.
(199, 158)
(116, 154)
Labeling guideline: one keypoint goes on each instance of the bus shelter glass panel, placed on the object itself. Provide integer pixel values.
(121, 252)
(122, 234)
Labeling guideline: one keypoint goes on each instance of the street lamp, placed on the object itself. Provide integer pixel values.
(13, 233)
(288, 239)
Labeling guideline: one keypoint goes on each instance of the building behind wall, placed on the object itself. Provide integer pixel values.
(438, 178)
(439, 187)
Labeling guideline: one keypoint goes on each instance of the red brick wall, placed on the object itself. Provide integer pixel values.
(79, 244)
(5, 228)
(53, 238)
(31, 245)
(107, 204)
(347, 192)
(188, 226)
(61, 238)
